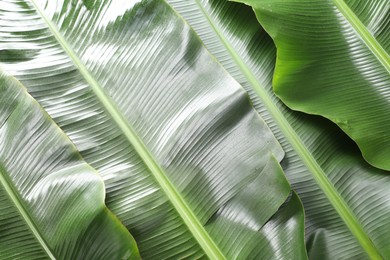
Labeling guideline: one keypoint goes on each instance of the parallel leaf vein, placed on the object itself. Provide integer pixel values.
(319, 175)
(15, 198)
(364, 33)
(189, 218)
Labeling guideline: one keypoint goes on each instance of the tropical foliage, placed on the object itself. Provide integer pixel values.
(151, 129)
(335, 54)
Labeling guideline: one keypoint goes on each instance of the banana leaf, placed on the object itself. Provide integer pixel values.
(189, 167)
(51, 201)
(346, 200)
(333, 60)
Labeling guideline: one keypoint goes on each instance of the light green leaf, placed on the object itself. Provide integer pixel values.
(174, 137)
(346, 200)
(51, 201)
(333, 60)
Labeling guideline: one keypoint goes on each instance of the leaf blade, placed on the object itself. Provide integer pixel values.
(41, 200)
(335, 155)
(364, 33)
(346, 70)
(187, 215)
(217, 125)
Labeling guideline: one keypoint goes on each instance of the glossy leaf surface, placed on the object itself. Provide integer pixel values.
(186, 160)
(333, 60)
(323, 165)
(51, 201)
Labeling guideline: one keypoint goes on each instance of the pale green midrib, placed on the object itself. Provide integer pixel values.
(364, 33)
(19, 205)
(319, 175)
(189, 218)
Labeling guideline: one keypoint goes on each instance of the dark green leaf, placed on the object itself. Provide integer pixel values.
(333, 60)
(322, 164)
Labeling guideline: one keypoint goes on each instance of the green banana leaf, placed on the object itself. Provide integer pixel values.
(333, 60)
(189, 167)
(51, 201)
(346, 201)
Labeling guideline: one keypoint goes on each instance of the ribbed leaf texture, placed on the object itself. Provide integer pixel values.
(51, 201)
(333, 60)
(189, 166)
(339, 190)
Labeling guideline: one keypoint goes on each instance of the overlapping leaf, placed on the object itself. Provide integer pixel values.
(323, 166)
(333, 60)
(51, 202)
(187, 162)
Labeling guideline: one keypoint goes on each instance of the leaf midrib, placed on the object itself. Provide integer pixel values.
(364, 33)
(189, 218)
(15, 198)
(319, 175)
